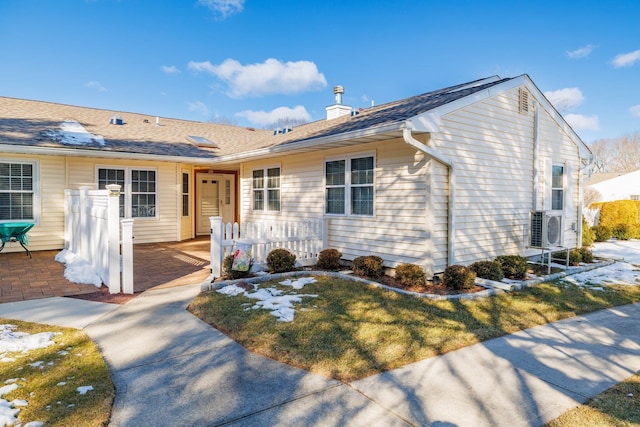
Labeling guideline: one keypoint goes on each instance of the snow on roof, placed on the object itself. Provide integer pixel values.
(72, 132)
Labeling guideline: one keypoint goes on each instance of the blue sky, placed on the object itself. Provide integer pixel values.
(252, 61)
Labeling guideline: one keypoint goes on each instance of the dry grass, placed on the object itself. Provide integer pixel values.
(351, 331)
(619, 406)
(49, 402)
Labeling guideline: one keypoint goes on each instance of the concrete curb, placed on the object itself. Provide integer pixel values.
(493, 287)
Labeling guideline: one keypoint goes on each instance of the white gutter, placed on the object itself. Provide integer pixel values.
(451, 217)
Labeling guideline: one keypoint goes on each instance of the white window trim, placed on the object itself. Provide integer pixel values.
(36, 189)
(265, 193)
(347, 183)
(127, 189)
(182, 193)
(564, 185)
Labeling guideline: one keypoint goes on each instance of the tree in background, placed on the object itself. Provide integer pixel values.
(620, 154)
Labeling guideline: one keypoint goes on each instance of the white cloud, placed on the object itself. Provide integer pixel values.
(199, 107)
(223, 7)
(583, 52)
(626, 59)
(635, 110)
(96, 85)
(580, 122)
(170, 69)
(268, 78)
(264, 118)
(565, 99)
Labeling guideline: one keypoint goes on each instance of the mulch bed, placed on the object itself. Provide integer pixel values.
(103, 295)
(429, 287)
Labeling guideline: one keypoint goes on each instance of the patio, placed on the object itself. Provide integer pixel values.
(155, 264)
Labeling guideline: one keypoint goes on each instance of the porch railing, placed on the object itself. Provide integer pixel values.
(305, 239)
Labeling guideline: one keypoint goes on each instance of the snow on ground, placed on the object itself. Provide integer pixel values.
(626, 271)
(78, 270)
(13, 341)
(273, 299)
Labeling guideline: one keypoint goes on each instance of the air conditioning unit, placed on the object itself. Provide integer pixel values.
(545, 229)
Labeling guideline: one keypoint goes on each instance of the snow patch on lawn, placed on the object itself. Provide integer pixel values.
(273, 299)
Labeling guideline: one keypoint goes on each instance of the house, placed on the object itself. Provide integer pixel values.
(447, 177)
(607, 187)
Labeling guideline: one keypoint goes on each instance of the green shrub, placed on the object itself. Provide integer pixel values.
(329, 259)
(458, 277)
(621, 231)
(513, 266)
(370, 266)
(410, 275)
(618, 212)
(489, 270)
(230, 273)
(588, 236)
(575, 257)
(281, 260)
(602, 232)
(587, 255)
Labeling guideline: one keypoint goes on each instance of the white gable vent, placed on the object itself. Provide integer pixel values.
(202, 142)
(116, 120)
(523, 101)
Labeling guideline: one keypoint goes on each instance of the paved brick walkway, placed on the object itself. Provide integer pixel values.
(158, 264)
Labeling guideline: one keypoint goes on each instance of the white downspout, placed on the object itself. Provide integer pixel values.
(536, 158)
(410, 140)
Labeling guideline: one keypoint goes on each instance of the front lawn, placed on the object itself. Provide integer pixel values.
(64, 382)
(351, 330)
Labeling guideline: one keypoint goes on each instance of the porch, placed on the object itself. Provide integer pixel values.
(155, 264)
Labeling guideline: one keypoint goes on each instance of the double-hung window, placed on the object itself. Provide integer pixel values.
(17, 191)
(265, 185)
(138, 190)
(557, 187)
(349, 186)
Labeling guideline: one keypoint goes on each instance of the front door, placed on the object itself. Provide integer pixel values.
(215, 195)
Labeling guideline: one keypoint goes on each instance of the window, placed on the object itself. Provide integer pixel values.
(17, 191)
(266, 189)
(635, 197)
(185, 194)
(349, 186)
(138, 192)
(557, 188)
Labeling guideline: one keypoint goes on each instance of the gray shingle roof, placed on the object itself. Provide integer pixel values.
(30, 123)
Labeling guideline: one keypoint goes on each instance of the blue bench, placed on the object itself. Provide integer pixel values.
(15, 232)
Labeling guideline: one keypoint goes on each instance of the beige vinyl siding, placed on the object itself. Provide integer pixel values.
(492, 147)
(164, 228)
(48, 233)
(398, 230)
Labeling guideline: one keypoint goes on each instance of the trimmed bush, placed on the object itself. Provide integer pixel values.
(489, 270)
(587, 255)
(513, 266)
(329, 259)
(458, 277)
(618, 212)
(635, 231)
(621, 231)
(588, 235)
(281, 260)
(370, 266)
(410, 275)
(230, 273)
(575, 257)
(602, 232)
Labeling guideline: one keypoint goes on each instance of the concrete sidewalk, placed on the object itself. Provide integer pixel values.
(172, 369)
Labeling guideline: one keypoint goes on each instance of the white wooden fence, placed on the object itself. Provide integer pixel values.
(92, 232)
(305, 239)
